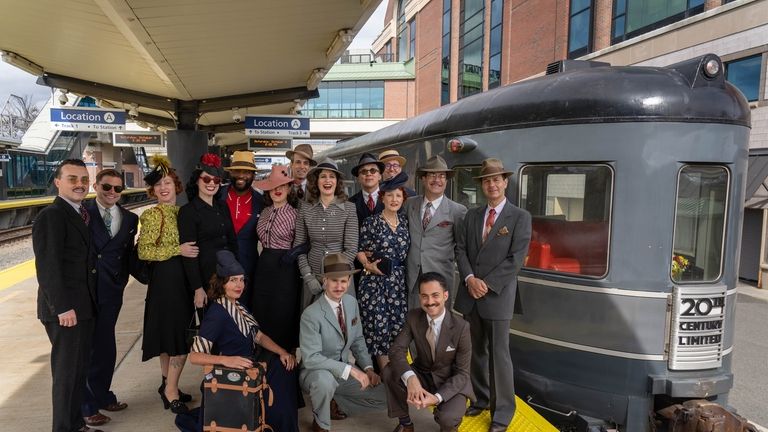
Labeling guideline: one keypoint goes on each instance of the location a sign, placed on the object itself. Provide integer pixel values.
(276, 126)
(86, 119)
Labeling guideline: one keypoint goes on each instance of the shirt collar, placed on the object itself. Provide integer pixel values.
(72, 203)
(103, 209)
(439, 319)
(498, 208)
(375, 195)
(435, 203)
(334, 304)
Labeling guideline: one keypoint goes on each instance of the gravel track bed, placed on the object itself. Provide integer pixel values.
(16, 253)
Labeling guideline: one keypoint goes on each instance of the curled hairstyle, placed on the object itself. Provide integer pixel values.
(176, 182)
(432, 277)
(216, 286)
(314, 191)
(193, 190)
(293, 199)
(401, 189)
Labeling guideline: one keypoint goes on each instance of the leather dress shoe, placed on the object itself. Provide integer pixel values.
(473, 411)
(403, 428)
(97, 419)
(336, 412)
(495, 427)
(316, 427)
(117, 406)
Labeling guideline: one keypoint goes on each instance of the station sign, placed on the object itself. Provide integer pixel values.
(269, 143)
(137, 139)
(696, 333)
(276, 126)
(87, 119)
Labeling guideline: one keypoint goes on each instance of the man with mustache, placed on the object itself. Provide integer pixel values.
(245, 205)
(66, 294)
(439, 374)
(301, 162)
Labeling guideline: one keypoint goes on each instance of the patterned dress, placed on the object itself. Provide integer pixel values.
(384, 299)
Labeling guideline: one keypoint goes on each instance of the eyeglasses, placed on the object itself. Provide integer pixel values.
(74, 179)
(392, 165)
(215, 180)
(106, 187)
(436, 176)
(370, 171)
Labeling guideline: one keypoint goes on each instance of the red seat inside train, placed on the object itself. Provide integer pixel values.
(568, 247)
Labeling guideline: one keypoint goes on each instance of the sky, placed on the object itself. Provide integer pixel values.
(16, 81)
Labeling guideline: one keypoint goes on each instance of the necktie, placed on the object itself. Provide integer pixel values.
(489, 223)
(108, 221)
(371, 205)
(84, 214)
(340, 317)
(432, 337)
(300, 192)
(427, 215)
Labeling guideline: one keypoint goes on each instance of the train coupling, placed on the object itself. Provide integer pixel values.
(699, 415)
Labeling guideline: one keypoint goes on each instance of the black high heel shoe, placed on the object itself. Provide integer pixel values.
(177, 406)
(183, 397)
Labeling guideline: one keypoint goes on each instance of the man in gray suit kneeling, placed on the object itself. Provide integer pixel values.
(330, 331)
(491, 248)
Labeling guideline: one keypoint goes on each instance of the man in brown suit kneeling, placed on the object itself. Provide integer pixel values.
(439, 375)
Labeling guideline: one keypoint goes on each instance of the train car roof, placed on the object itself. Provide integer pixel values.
(583, 95)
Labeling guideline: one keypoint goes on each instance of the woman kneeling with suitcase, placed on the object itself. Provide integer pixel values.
(229, 336)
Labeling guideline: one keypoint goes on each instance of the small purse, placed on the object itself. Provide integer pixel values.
(194, 327)
(384, 265)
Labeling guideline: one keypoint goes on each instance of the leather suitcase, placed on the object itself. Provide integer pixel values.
(235, 399)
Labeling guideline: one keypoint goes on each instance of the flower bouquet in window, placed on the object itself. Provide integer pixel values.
(679, 265)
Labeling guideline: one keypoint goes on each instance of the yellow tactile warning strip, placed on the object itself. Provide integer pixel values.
(13, 275)
(526, 420)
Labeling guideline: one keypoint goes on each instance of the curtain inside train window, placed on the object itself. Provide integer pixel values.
(697, 252)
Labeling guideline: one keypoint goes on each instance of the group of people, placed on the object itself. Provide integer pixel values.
(288, 267)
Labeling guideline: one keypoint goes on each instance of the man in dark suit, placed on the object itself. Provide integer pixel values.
(245, 206)
(112, 230)
(368, 172)
(66, 296)
(439, 375)
(491, 248)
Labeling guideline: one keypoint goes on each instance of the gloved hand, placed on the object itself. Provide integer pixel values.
(312, 284)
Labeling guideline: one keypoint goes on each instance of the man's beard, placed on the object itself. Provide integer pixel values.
(244, 187)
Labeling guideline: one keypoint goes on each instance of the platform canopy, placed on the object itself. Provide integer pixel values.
(183, 62)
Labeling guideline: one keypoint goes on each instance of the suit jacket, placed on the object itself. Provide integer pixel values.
(449, 368)
(429, 251)
(497, 261)
(66, 276)
(247, 237)
(322, 344)
(362, 207)
(114, 257)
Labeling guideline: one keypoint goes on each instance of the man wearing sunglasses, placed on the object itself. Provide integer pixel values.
(112, 229)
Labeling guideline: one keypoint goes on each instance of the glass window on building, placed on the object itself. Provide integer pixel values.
(346, 100)
(745, 75)
(402, 33)
(471, 47)
(445, 78)
(494, 56)
(635, 17)
(412, 37)
(580, 28)
(571, 216)
(702, 199)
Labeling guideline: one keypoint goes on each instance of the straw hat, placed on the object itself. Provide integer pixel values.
(278, 177)
(303, 150)
(435, 164)
(392, 154)
(367, 159)
(242, 160)
(492, 167)
(335, 265)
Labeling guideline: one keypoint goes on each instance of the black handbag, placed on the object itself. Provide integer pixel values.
(236, 398)
(194, 326)
(384, 265)
(293, 254)
(140, 270)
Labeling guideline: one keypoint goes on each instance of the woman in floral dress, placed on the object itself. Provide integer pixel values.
(384, 243)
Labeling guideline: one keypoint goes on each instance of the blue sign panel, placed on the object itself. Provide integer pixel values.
(276, 126)
(87, 119)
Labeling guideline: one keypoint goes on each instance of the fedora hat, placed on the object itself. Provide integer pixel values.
(303, 150)
(335, 265)
(242, 160)
(327, 164)
(278, 177)
(392, 154)
(435, 164)
(367, 159)
(492, 167)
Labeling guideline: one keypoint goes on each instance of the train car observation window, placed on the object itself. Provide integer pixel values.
(570, 207)
(465, 189)
(700, 216)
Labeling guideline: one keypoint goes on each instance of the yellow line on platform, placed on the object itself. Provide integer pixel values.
(18, 273)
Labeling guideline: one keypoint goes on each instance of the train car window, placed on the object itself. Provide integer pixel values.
(700, 216)
(571, 210)
(465, 189)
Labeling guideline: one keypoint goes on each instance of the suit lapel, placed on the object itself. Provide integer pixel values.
(440, 214)
(445, 335)
(74, 218)
(420, 328)
(501, 221)
(330, 315)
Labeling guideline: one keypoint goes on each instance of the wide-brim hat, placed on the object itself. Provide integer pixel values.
(227, 265)
(435, 164)
(278, 177)
(303, 150)
(242, 160)
(367, 159)
(395, 182)
(492, 167)
(335, 265)
(392, 154)
(327, 164)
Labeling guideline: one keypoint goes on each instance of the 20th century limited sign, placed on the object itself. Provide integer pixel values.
(696, 328)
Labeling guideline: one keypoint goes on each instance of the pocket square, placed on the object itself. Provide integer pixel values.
(354, 321)
(450, 348)
(445, 224)
(503, 231)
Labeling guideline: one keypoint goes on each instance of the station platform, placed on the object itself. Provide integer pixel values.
(25, 403)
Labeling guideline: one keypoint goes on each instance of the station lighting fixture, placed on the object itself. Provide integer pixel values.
(342, 40)
(20, 62)
(63, 99)
(134, 111)
(236, 117)
(315, 77)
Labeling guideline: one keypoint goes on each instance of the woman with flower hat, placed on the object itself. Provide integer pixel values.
(276, 289)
